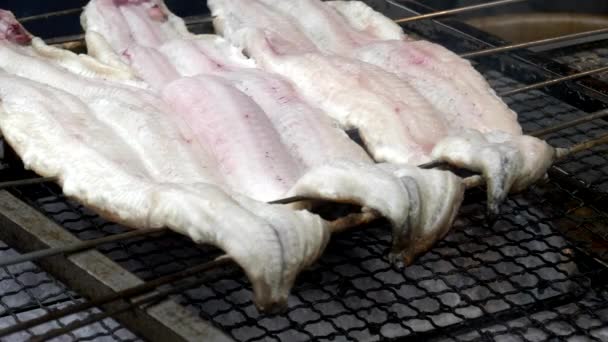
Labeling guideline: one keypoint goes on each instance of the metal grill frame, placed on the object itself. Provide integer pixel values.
(27, 229)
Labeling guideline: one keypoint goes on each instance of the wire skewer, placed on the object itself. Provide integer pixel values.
(587, 118)
(563, 153)
(128, 293)
(546, 41)
(363, 218)
(23, 182)
(147, 301)
(560, 154)
(554, 81)
(429, 165)
(539, 133)
(50, 15)
(77, 247)
(453, 11)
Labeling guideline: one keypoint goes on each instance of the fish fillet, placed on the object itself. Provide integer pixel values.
(455, 89)
(336, 168)
(131, 164)
(508, 160)
(449, 82)
(396, 124)
(419, 219)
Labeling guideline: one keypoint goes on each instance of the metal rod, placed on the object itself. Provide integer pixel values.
(429, 165)
(77, 41)
(22, 182)
(293, 199)
(148, 301)
(593, 116)
(433, 164)
(88, 244)
(554, 81)
(128, 293)
(532, 43)
(77, 247)
(539, 133)
(50, 15)
(455, 10)
(563, 153)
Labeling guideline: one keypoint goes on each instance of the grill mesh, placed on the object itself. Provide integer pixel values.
(523, 278)
(28, 292)
(587, 57)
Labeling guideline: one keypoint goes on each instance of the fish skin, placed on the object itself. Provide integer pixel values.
(139, 170)
(448, 82)
(337, 169)
(396, 123)
(509, 163)
(249, 152)
(397, 126)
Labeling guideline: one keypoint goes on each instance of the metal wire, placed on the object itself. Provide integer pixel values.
(539, 42)
(586, 145)
(120, 295)
(554, 81)
(455, 10)
(23, 182)
(148, 301)
(594, 116)
(429, 165)
(77, 247)
(50, 15)
(208, 19)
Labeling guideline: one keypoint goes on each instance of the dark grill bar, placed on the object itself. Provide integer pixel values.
(537, 273)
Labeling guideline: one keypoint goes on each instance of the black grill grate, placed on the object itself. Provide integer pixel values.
(586, 57)
(29, 292)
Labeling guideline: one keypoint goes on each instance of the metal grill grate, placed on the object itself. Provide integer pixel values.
(29, 292)
(536, 274)
(584, 57)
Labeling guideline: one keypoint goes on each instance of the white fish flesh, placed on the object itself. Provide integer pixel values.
(334, 163)
(396, 124)
(133, 165)
(455, 89)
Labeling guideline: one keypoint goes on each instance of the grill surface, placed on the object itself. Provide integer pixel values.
(535, 274)
(28, 292)
(588, 56)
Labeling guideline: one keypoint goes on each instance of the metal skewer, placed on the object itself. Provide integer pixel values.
(23, 182)
(429, 165)
(128, 293)
(511, 47)
(337, 225)
(554, 81)
(147, 301)
(452, 11)
(563, 153)
(593, 116)
(560, 154)
(50, 15)
(346, 222)
(77, 247)
(539, 133)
